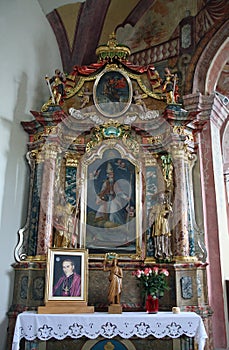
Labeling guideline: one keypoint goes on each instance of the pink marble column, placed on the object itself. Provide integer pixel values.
(210, 112)
(45, 226)
(180, 206)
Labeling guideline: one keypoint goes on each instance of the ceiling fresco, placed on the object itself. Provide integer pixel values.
(143, 25)
(157, 25)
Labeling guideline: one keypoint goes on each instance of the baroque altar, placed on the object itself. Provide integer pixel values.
(111, 157)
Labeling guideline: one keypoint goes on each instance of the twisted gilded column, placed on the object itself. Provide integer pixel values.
(45, 227)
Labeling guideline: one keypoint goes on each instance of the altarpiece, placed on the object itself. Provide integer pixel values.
(111, 156)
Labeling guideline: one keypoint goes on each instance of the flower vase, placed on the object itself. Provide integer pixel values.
(152, 304)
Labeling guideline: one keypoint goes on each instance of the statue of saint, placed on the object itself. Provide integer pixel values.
(170, 87)
(56, 86)
(115, 279)
(160, 229)
(64, 227)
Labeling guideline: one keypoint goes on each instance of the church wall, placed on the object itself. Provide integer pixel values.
(205, 80)
(222, 215)
(28, 52)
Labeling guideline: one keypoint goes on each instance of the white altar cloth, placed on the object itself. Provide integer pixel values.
(30, 325)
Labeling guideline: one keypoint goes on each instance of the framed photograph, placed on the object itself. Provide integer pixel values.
(112, 93)
(67, 274)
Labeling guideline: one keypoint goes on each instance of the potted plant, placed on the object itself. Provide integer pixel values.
(153, 284)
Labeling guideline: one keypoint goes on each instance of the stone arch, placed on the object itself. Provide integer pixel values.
(216, 67)
(210, 62)
(205, 69)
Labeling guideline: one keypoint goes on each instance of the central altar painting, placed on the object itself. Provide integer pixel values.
(110, 202)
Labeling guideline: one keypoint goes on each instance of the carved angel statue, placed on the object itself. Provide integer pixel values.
(85, 97)
(138, 100)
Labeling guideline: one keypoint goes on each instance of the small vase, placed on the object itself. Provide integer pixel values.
(152, 304)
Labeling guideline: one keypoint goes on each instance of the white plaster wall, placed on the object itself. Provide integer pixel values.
(49, 5)
(28, 51)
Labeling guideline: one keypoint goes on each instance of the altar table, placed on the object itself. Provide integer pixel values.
(30, 325)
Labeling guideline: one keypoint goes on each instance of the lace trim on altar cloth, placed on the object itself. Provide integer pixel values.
(44, 327)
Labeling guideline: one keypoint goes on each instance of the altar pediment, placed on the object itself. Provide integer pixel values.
(113, 87)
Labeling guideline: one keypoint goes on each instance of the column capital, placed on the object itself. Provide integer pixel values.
(35, 155)
(198, 102)
(219, 112)
(50, 150)
(179, 150)
(210, 107)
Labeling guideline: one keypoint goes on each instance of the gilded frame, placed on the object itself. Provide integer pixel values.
(55, 275)
(112, 92)
(132, 247)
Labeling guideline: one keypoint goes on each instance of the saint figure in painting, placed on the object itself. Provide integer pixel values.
(112, 200)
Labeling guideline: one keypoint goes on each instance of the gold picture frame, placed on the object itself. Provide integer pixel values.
(107, 234)
(67, 275)
(112, 92)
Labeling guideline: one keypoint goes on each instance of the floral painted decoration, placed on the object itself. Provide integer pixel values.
(152, 281)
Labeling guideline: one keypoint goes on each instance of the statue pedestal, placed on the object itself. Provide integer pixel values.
(115, 309)
(66, 307)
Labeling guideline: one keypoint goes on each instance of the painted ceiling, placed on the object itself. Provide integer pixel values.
(80, 26)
